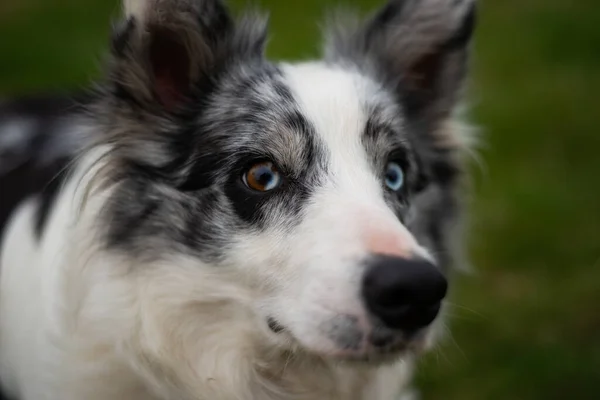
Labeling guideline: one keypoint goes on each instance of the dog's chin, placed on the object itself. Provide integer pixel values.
(368, 356)
(366, 353)
(372, 357)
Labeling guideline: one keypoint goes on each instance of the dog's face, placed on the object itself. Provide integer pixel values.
(325, 191)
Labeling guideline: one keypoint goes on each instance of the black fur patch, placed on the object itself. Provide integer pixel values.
(29, 171)
(198, 199)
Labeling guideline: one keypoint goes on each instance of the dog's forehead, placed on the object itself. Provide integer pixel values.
(306, 117)
(345, 106)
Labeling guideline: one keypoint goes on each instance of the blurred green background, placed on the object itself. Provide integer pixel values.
(526, 323)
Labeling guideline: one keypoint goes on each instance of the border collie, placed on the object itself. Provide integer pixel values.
(210, 225)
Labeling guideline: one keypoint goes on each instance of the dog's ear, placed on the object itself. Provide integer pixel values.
(420, 47)
(168, 48)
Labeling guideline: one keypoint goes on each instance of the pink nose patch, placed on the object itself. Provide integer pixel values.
(389, 244)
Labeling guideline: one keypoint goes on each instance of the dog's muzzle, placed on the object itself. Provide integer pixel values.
(400, 298)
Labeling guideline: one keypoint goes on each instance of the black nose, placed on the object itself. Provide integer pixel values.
(405, 294)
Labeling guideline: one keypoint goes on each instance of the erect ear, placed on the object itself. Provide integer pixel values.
(169, 47)
(419, 47)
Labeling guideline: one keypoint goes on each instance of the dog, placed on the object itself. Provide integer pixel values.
(208, 225)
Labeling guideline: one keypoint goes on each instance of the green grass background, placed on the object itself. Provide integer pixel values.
(526, 324)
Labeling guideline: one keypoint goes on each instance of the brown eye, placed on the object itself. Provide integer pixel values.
(262, 177)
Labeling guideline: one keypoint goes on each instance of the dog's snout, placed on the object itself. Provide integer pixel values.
(403, 293)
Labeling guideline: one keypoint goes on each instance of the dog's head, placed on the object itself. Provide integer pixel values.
(322, 195)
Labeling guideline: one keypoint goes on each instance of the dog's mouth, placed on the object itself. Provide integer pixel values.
(379, 346)
(274, 325)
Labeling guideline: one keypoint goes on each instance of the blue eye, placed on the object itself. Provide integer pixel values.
(394, 176)
(262, 177)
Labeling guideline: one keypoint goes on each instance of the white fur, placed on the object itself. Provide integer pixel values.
(135, 8)
(78, 322)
